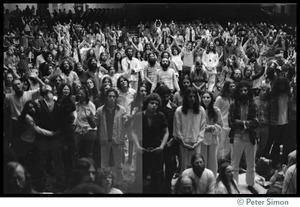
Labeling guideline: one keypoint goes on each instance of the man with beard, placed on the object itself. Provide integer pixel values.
(150, 70)
(94, 72)
(229, 49)
(236, 76)
(243, 120)
(172, 148)
(43, 69)
(68, 75)
(130, 63)
(204, 177)
(166, 76)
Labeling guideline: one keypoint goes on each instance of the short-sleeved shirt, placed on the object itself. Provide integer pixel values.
(150, 136)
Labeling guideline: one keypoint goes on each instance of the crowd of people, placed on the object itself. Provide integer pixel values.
(197, 102)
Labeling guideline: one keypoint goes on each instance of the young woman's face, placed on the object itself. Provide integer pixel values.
(186, 83)
(229, 173)
(152, 106)
(119, 56)
(106, 82)
(143, 91)
(206, 99)
(232, 87)
(90, 84)
(66, 91)
(112, 71)
(81, 95)
(248, 72)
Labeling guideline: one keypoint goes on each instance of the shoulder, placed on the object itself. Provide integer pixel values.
(209, 173)
(217, 110)
(178, 109)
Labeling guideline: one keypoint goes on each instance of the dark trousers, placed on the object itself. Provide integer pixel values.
(85, 144)
(149, 164)
(278, 135)
(169, 161)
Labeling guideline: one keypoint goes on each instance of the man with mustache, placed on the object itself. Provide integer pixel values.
(204, 177)
(243, 120)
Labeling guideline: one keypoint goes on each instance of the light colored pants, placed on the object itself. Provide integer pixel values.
(238, 147)
(211, 81)
(186, 155)
(224, 148)
(117, 156)
(209, 153)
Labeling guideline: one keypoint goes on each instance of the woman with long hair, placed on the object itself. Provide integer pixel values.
(117, 62)
(223, 102)
(90, 54)
(225, 183)
(92, 90)
(189, 125)
(213, 127)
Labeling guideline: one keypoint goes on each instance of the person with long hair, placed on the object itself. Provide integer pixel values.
(90, 54)
(279, 97)
(106, 83)
(117, 62)
(213, 126)
(92, 90)
(105, 179)
(67, 118)
(225, 183)
(199, 75)
(85, 132)
(189, 126)
(243, 120)
(210, 60)
(223, 101)
(178, 96)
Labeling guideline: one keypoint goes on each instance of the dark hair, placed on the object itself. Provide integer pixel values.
(211, 110)
(126, 50)
(138, 98)
(86, 92)
(25, 80)
(165, 52)
(142, 54)
(103, 173)
(94, 91)
(81, 169)
(62, 87)
(111, 90)
(62, 68)
(241, 84)
(275, 91)
(88, 55)
(223, 178)
(185, 103)
(90, 61)
(195, 156)
(119, 82)
(25, 111)
(225, 91)
(208, 49)
(151, 97)
(117, 62)
(178, 184)
(182, 89)
(8, 186)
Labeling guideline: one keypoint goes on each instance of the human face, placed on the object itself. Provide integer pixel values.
(119, 56)
(19, 177)
(164, 63)
(17, 86)
(79, 67)
(106, 82)
(111, 98)
(49, 58)
(66, 91)
(175, 52)
(123, 83)
(165, 98)
(58, 81)
(81, 95)
(243, 91)
(248, 72)
(231, 87)
(199, 162)
(229, 173)
(130, 53)
(191, 99)
(143, 92)
(112, 71)
(237, 74)
(107, 181)
(206, 99)
(186, 186)
(66, 65)
(9, 78)
(152, 106)
(90, 84)
(31, 109)
(186, 83)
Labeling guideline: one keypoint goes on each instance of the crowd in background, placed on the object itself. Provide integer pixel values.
(87, 103)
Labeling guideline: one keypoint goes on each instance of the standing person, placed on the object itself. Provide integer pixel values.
(189, 126)
(223, 102)
(204, 177)
(14, 103)
(130, 63)
(199, 76)
(110, 119)
(187, 55)
(150, 70)
(170, 151)
(150, 134)
(225, 183)
(213, 126)
(279, 97)
(243, 121)
(178, 96)
(85, 131)
(210, 60)
(67, 119)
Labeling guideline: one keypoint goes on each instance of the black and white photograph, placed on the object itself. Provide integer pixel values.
(150, 99)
